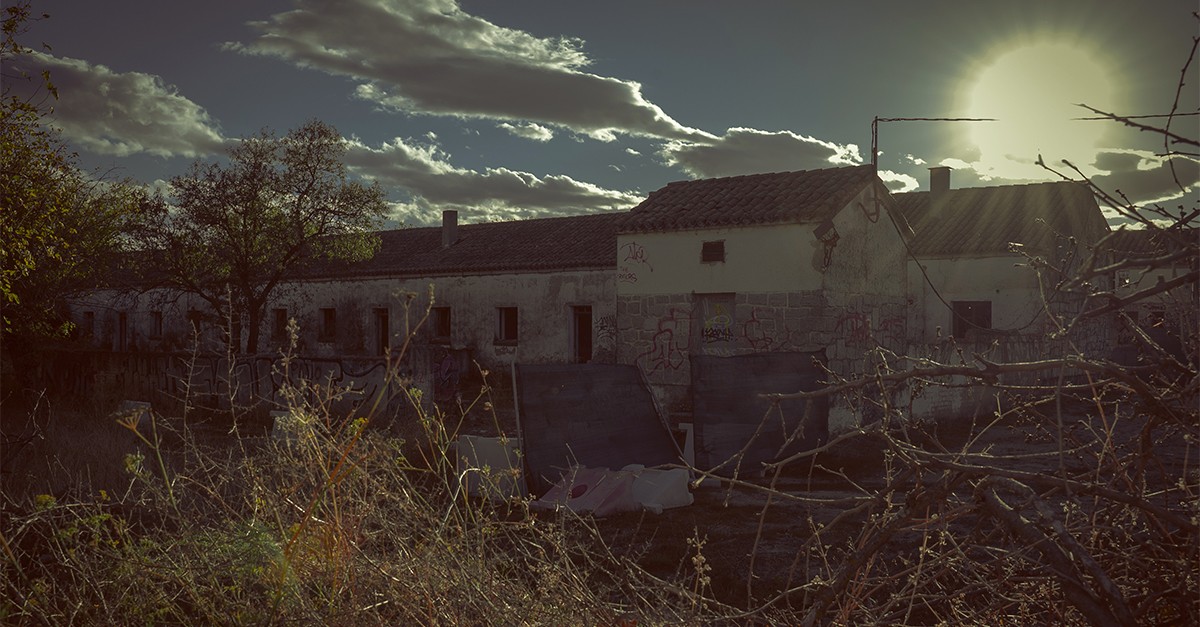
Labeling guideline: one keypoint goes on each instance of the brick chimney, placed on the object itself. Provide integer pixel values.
(939, 180)
(449, 228)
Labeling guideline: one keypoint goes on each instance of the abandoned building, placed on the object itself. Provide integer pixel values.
(983, 268)
(799, 274)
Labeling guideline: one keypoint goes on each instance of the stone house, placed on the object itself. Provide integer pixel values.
(790, 262)
(532, 291)
(1153, 269)
(984, 265)
(810, 271)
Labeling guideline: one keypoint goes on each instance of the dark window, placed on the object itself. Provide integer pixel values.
(971, 314)
(328, 325)
(89, 324)
(156, 324)
(441, 325)
(279, 323)
(506, 325)
(713, 252)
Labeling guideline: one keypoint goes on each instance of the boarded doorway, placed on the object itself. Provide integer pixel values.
(581, 334)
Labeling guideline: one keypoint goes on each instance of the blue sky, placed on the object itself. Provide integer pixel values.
(535, 108)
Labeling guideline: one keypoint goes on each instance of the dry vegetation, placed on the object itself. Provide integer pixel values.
(1075, 500)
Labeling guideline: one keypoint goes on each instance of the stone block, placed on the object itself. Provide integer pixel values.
(777, 299)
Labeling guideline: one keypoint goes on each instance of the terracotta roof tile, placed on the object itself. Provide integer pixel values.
(573, 242)
(1137, 243)
(804, 196)
(986, 219)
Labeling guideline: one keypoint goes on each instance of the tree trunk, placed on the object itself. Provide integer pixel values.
(254, 322)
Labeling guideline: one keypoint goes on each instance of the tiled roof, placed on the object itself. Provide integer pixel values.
(984, 220)
(573, 242)
(804, 196)
(1137, 243)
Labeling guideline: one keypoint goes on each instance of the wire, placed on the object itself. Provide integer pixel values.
(932, 287)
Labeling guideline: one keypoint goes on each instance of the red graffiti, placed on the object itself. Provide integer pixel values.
(854, 326)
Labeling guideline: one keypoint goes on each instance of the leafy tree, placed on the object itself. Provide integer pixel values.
(60, 229)
(236, 230)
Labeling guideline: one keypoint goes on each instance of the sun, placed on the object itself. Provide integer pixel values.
(1032, 90)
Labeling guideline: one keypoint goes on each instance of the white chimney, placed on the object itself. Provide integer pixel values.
(449, 228)
(939, 180)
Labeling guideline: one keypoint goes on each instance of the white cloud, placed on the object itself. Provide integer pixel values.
(430, 57)
(528, 130)
(913, 160)
(121, 113)
(495, 193)
(632, 152)
(748, 151)
(898, 182)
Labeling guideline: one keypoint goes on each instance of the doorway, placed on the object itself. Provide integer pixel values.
(581, 334)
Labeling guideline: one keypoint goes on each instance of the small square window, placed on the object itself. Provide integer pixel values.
(279, 322)
(156, 324)
(441, 325)
(506, 325)
(713, 252)
(970, 315)
(328, 325)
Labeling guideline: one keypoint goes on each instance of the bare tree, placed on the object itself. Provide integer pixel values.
(235, 231)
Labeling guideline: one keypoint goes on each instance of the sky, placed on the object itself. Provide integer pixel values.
(539, 108)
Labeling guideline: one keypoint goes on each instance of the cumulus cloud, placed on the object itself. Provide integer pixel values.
(431, 57)
(495, 193)
(748, 151)
(528, 130)
(121, 113)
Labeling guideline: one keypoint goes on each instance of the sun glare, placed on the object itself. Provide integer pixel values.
(1032, 90)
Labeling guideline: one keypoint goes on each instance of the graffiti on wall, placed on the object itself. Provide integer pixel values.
(668, 346)
(853, 327)
(635, 254)
(892, 330)
(606, 331)
(755, 334)
(716, 315)
(633, 258)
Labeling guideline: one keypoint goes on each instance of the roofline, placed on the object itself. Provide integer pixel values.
(449, 273)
